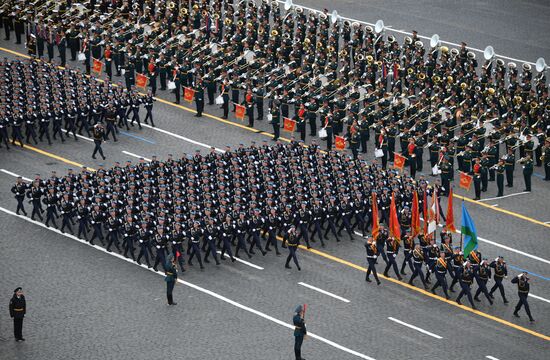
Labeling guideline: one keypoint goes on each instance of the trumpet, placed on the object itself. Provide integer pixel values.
(522, 160)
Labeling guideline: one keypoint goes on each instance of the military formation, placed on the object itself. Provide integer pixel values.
(317, 69)
(40, 102)
(206, 206)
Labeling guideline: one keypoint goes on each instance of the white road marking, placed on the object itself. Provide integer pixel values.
(415, 328)
(410, 34)
(547, 222)
(135, 155)
(181, 137)
(78, 135)
(506, 247)
(539, 298)
(491, 357)
(199, 288)
(245, 262)
(494, 205)
(324, 292)
(15, 175)
(505, 196)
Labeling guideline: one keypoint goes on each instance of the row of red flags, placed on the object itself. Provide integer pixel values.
(430, 223)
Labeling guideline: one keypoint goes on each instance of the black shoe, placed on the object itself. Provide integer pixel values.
(516, 314)
(458, 302)
(287, 266)
(477, 299)
(399, 278)
(474, 307)
(299, 269)
(378, 282)
(174, 303)
(505, 301)
(368, 280)
(530, 319)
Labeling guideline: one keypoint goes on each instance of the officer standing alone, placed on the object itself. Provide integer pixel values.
(299, 331)
(171, 278)
(18, 309)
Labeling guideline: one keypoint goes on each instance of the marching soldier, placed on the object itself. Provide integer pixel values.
(292, 243)
(19, 190)
(99, 136)
(440, 270)
(523, 292)
(418, 260)
(372, 255)
(466, 280)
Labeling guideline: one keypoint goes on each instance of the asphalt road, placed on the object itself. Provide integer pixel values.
(84, 303)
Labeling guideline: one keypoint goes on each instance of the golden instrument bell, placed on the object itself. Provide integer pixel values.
(533, 104)
(444, 50)
(421, 76)
(274, 32)
(171, 5)
(370, 59)
(491, 91)
(463, 86)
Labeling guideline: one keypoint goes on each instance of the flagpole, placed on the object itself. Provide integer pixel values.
(461, 229)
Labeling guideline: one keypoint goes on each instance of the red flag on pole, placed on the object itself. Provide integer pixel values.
(398, 161)
(415, 221)
(141, 81)
(97, 66)
(339, 142)
(289, 125)
(434, 214)
(395, 71)
(375, 222)
(188, 94)
(239, 111)
(450, 220)
(465, 181)
(395, 229)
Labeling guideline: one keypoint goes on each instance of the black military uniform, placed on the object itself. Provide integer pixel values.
(523, 292)
(18, 309)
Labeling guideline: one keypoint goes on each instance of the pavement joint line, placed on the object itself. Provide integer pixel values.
(505, 196)
(410, 34)
(491, 357)
(424, 292)
(508, 212)
(124, 133)
(15, 175)
(363, 269)
(245, 262)
(196, 287)
(324, 292)
(135, 155)
(78, 135)
(415, 328)
(539, 298)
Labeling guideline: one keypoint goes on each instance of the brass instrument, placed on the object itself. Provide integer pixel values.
(421, 76)
(171, 5)
(522, 160)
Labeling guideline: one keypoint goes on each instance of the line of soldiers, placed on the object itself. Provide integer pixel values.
(238, 198)
(343, 77)
(245, 199)
(39, 101)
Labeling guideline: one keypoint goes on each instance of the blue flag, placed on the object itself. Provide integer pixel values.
(468, 231)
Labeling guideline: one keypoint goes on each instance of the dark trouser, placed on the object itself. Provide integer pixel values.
(500, 184)
(169, 289)
(97, 233)
(149, 115)
(412, 165)
(407, 260)
(160, 258)
(331, 227)
(83, 228)
(57, 131)
(66, 222)
(16, 135)
(527, 177)
(391, 263)
(50, 213)
(44, 130)
(346, 223)
(123, 119)
(298, 340)
(36, 210)
(372, 268)
(260, 108)
(135, 117)
(226, 247)
(382, 252)
(312, 125)
(330, 136)
(292, 255)
(482, 288)
(523, 302)
(241, 244)
(465, 291)
(498, 285)
(419, 155)
(211, 250)
(49, 47)
(112, 237)
(196, 251)
(276, 131)
(143, 252)
(128, 245)
(162, 80)
(477, 186)
(484, 180)
(364, 139)
(30, 132)
(304, 234)
(441, 281)
(272, 240)
(111, 130)
(418, 272)
(20, 206)
(225, 106)
(546, 169)
(317, 230)
(18, 328)
(98, 148)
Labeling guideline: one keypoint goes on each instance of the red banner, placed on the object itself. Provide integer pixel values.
(375, 222)
(289, 125)
(395, 228)
(188, 94)
(239, 111)
(465, 181)
(450, 219)
(97, 66)
(415, 221)
(339, 142)
(398, 161)
(141, 81)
